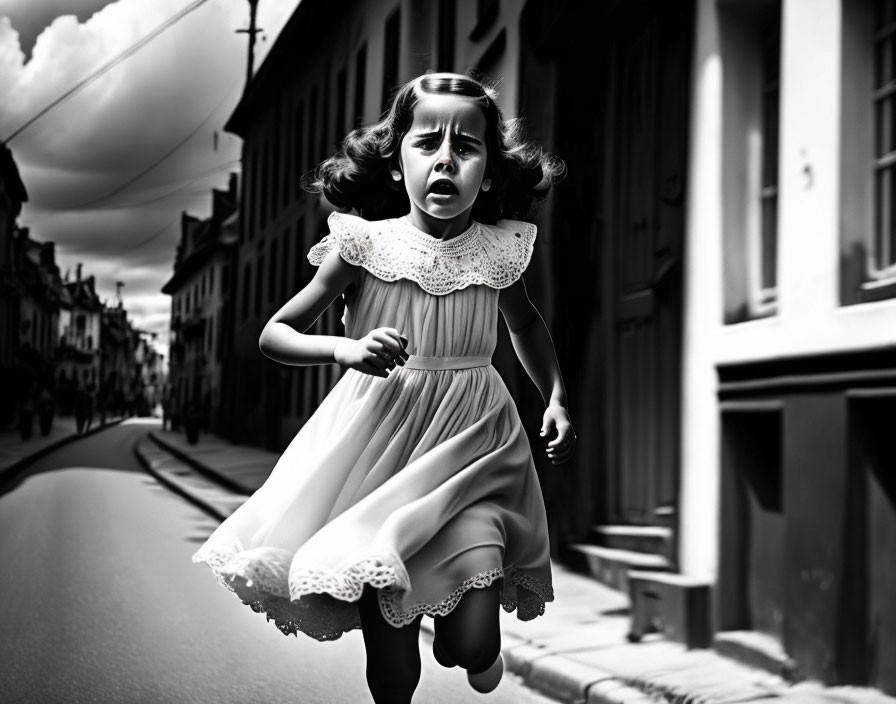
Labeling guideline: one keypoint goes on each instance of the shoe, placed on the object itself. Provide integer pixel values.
(485, 682)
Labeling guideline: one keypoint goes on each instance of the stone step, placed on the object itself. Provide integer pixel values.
(759, 650)
(649, 539)
(610, 566)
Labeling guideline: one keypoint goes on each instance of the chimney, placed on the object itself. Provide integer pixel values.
(232, 187)
(78, 279)
(48, 255)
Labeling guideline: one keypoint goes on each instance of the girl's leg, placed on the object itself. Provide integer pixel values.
(470, 636)
(393, 654)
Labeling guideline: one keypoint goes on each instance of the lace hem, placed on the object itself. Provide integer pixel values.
(490, 255)
(321, 603)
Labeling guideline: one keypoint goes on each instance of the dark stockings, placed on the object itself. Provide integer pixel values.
(393, 654)
(470, 636)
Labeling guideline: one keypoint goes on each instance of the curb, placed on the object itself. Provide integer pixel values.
(177, 487)
(201, 468)
(10, 472)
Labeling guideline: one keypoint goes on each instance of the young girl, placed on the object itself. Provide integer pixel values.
(412, 490)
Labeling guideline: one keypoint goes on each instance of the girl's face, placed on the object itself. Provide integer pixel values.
(443, 157)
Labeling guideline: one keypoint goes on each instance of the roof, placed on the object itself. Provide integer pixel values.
(9, 174)
(297, 43)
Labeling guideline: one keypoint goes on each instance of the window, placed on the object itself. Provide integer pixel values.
(750, 40)
(882, 264)
(868, 152)
(287, 165)
(259, 280)
(391, 55)
(298, 144)
(771, 91)
(360, 83)
(272, 272)
(285, 267)
(265, 174)
(254, 200)
(445, 35)
(247, 286)
(276, 159)
(324, 143)
(312, 123)
(340, 102)
(243, 194)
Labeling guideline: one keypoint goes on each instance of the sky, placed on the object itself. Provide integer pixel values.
(77, 160)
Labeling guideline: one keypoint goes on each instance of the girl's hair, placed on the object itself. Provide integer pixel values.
(357, 176)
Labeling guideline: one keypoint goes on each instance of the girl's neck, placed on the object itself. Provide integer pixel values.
(440, 229)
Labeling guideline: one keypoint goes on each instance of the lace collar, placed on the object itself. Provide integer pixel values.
(490, 255)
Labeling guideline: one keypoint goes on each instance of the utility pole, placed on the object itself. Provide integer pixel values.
(252, 31)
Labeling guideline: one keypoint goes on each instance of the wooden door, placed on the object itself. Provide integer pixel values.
(646, 148)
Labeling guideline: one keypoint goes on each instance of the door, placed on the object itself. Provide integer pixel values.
(646, 147)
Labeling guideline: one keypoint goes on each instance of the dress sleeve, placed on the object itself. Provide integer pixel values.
(509, 244)
(349, 235)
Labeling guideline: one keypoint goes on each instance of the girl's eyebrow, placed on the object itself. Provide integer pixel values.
(459, 135)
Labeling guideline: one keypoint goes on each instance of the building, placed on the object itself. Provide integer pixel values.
(39, 294)
(201, 309)
(117, 353)
(149, 374)
(726, 320)
(78, 353)
(12, 196)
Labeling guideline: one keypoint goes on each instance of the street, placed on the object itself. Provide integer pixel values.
(101, 603)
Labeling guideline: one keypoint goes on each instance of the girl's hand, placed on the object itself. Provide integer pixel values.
(556, 425)
(377, 353)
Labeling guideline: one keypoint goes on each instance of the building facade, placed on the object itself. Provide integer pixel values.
(718, 271)
(80, 322)
(201, 309)
(12, 196)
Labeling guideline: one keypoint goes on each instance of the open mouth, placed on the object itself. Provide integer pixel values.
(443, 187)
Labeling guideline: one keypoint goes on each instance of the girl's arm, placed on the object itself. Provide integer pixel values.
(532, 344)
(283, 338)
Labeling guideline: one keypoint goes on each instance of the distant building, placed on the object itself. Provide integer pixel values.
(718, 271)
(12, 196)
(149, 375)
(201, 308)
(80, 319)
(117, 357)
(39, 292)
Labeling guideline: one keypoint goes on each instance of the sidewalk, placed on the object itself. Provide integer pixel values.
(16, 454)
(577, 652)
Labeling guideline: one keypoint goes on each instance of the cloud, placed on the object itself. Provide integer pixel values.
(179, 88)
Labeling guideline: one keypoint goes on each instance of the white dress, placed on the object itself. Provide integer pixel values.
(421, 484)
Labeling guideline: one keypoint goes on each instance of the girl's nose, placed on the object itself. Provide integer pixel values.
(444, 162)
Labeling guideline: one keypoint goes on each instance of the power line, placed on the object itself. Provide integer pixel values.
(134, 48)
(193, 179)
(155, 235)
(118, 189)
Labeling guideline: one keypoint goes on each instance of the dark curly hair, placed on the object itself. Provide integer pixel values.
(357, 176)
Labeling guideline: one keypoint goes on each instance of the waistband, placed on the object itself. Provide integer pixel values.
(439, 363)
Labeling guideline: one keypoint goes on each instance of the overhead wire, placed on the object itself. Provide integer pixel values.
(108, 66)
(179, 145)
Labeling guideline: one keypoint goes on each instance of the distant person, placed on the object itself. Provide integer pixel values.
(89, 405)
(80, 408)
(412, 489)
(166, 409)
